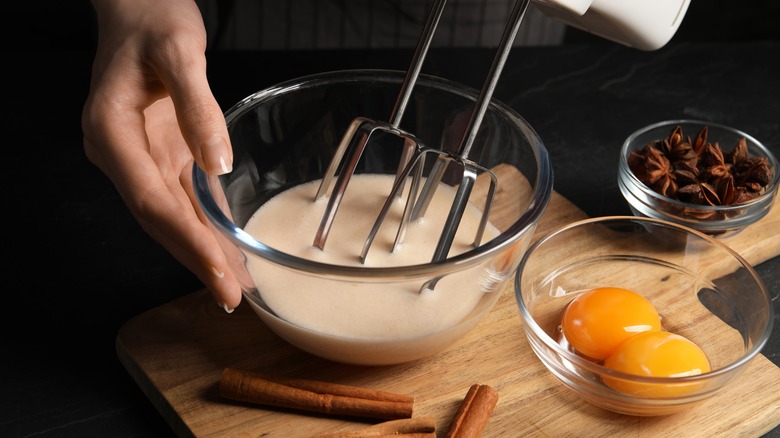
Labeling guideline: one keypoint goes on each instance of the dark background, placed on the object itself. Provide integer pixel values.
(75, 309)
(68, 24)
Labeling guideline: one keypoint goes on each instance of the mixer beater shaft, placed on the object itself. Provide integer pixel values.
(415, 152)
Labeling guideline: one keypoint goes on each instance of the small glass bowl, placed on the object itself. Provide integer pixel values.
(701, 288)
(718, 220)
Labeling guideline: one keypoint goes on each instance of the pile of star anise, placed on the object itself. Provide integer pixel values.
(699, 172)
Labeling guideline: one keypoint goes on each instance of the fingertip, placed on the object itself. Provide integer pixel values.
(227, 291)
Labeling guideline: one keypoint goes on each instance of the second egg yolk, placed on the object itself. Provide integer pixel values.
(657, 354)
(597, 321)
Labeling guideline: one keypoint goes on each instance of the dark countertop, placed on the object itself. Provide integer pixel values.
(79, 266)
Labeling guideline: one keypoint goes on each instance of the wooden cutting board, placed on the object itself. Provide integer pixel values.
(177, 351)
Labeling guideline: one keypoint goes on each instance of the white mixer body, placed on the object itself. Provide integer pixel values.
(641, 24)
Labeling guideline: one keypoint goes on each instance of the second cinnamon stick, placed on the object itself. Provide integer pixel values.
(473, 413)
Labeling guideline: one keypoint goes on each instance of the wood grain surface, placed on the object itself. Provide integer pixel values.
(177, 351)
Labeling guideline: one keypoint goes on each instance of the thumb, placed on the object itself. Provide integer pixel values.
(200, 117)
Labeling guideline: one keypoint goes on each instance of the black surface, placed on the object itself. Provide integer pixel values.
(77, 266)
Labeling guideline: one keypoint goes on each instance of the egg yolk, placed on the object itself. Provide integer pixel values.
(599, 320)
(657, 354)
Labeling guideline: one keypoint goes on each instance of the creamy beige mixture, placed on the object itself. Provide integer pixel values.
(289, 221)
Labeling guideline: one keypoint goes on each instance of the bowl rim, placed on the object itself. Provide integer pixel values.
(542, 189)
(529, 324)
(626, 173)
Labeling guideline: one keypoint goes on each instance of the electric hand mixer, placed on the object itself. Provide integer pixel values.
(617, 20)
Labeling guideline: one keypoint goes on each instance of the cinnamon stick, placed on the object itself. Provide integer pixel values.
(473, 412)
(406, 427)
(314, 396)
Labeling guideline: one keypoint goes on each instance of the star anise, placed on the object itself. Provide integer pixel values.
(685, 177)
(687, 166)
(741, 195)
(725, 190)
(699, 172)
(655, 169)
(679, 149)
(699, 193)
(754, 170)
(739, 153)
(701, 139)
(657, 166)
(666, 185)
(711, 155)
(713, 166)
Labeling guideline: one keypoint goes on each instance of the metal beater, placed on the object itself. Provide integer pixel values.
(354, 141)
(360, 130)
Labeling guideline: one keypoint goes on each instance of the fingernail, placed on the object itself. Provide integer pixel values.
(225, 167)
(214, 155)
(225, 307)
(218, 273)
(221, 274)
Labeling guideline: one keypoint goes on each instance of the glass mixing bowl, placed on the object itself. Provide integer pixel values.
(284, 136)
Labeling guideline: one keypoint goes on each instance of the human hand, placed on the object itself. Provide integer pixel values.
(149, 116)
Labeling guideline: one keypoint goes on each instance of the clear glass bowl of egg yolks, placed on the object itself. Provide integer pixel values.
(641, 316)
